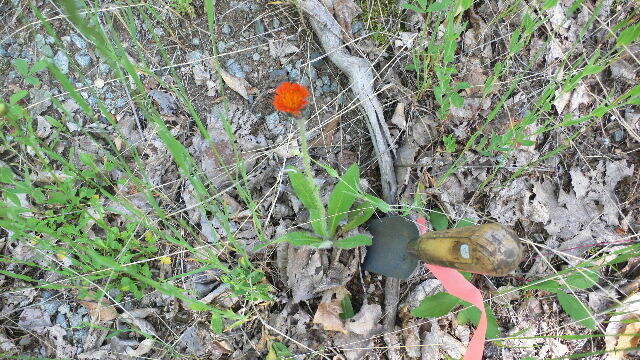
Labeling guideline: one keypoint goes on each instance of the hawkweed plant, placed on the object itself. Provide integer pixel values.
(326, 223)
(292, 98)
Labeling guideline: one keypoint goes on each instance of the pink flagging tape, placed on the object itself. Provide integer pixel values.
(455, 284)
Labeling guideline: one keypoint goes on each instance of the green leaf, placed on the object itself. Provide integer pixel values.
(378, 203)
(549, 4)
(353, 241)
(464, 222)
(342, 197)
(6, 175)
(412, 7)
(306, 193)
(439, 6)
(576, 310)
(436, 305)
(279, 351)
(331, 171)
(347, 308)
(22, 66)
(582, 278)
(40, 65)
(471, 315)
(18, 276)
(33, 80)
(628, 35)
(217, 323)
(438, 220)
(359, 216)
(13, 99)
(300, 238)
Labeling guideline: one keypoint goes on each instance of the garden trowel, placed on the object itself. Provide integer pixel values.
(490, 249)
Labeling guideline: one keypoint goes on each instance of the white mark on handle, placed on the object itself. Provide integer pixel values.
(464, 251)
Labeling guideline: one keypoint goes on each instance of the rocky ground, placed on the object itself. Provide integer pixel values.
(581, 203)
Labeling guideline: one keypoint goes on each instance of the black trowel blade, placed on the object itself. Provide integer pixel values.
(387, 255)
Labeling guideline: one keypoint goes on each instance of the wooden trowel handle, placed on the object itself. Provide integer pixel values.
(490, 249)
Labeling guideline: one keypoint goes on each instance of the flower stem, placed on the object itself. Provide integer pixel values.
(308, 171)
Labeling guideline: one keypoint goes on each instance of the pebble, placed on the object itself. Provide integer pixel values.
(277, 74)
(294, 74)
(64, 309)
(158, 31)
(357, 27)
(234, 68)
(618, 135)
(47, 51)
(75, 320)
(62, 321)
(28, 55)
(83, 59)
(50, 39)
(194, 56)
(79, 41)
(313, 74)
(226, 29)
(221, 46)
(39, 39)
(255, 56)
(273, 123)
(41, 44)
(275, 23)
(241, 5)
(259, 27)
(195, 41)
(51, 306)
(62, 62)
(104, 68)
(79, 336)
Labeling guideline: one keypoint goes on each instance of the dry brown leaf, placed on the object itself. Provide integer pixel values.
(621, 325)
(629, 338)
(239, 85)
(364, 322)
(328, 131)
(398, 118)
(328, 313)
(100, 312)
(145, 346)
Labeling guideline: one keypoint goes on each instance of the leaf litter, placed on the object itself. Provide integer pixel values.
(570, 217)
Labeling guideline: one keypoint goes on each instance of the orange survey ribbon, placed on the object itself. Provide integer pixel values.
(455, 284)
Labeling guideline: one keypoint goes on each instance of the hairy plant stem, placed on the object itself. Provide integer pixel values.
(308, 171)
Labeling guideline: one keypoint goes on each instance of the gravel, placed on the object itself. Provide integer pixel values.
(194, 56)
(618, 135)
(259, 27)
(62, 62)
(104, 68)
(277, 74)
(235, 69)
(79, 41)
(83, 59)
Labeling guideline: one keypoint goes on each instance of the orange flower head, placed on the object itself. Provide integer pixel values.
(291, 98)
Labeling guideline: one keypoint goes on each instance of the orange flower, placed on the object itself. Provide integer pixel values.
(291, 98)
